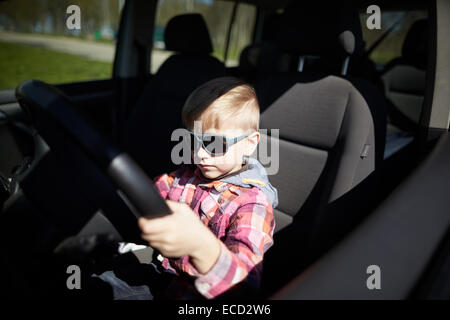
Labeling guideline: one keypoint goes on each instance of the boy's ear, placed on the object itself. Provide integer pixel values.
(252, 143)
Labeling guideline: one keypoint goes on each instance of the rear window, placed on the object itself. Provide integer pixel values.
(391, 47)
(218, 15)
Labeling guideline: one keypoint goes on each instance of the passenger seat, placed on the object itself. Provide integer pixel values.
(158, 111)
(404, 79)
(327, 167)
(331, 142)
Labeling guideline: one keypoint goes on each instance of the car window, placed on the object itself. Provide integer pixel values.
(404, 80)
(55, 42)
(242, 32)
(217, 15)
(391, 47)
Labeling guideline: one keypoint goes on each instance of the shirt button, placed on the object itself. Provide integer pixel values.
(204, 286)
(160, 258)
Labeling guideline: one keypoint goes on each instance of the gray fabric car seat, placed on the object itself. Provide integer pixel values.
(404, 78)
(158, 111)
(324, 172)
(340, 35)
(326, 131)
(331, 141)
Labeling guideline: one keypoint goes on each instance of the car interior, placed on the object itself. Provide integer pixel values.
(362, 171)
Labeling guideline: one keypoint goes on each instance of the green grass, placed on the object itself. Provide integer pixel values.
(20, 62)
(233, 54)
(383, 57)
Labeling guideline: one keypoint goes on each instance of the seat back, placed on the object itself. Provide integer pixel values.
(326, 167)
(158, 111)
(404, 78)
(326, 132)
(310, 105)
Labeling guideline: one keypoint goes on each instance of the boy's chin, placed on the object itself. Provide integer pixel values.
(213, 172)
(210, 173)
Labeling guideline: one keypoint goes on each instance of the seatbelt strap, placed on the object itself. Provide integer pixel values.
(384, 35)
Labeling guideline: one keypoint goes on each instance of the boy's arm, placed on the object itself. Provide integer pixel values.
(249, 236)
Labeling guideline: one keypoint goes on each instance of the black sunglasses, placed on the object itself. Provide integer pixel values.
(214, 144)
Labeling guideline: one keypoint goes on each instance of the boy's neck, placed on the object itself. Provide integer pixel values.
(243, 167)
(233, 173)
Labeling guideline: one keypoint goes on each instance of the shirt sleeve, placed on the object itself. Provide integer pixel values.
(250, 235)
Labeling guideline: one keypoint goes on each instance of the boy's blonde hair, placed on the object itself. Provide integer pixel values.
(223, 101)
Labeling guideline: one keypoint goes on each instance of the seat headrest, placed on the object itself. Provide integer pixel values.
(315, 29)
(308, 113)
(414, 48)
(188, 33)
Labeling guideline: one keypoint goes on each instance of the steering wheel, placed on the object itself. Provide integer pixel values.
(95, 167)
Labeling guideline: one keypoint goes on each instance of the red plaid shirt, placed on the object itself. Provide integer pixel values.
(242, 218)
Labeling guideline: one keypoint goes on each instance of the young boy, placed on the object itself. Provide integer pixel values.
(222, 221)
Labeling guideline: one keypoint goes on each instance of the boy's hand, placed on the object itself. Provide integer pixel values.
(180, 234)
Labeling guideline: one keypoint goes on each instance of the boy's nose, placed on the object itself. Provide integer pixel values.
(200, 154)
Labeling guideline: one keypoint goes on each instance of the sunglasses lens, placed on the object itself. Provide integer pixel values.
(215, 145)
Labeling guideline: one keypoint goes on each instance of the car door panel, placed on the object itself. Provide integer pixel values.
(400, 238)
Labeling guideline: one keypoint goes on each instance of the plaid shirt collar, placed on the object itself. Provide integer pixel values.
(220, 186)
